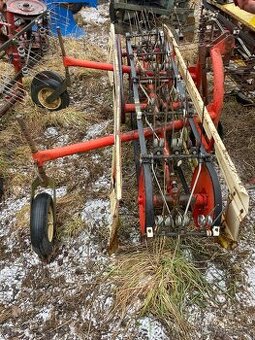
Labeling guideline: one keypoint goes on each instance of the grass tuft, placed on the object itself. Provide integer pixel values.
(70, 228)
(163, 281)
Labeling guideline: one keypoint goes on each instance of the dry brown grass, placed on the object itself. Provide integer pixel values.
(22, 217)
(158, 280)
(71, 227)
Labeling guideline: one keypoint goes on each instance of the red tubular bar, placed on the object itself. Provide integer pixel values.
(48, 155)
(70, 61)
(215, 107)
(130, 107)
(221, 48)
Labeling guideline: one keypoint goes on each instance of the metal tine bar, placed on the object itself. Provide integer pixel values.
(14, 94)
(10, 91)
(10, 100)
(20, 99)
(57, 15)
(10, 87)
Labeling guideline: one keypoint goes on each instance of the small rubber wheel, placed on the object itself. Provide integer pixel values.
(42, 225)
(43, 89)
(44, 76)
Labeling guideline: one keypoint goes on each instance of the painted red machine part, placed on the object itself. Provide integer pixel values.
(207, 197)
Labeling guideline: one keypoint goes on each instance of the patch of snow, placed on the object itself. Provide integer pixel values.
(60, 192)
(44, 314)
(151, 329)
(10, 281)
(92, 15)
(62, 140)
(102, 182)
(96, 130)
(96, 212)
(51, 132)
(214, 275)
(8, 210)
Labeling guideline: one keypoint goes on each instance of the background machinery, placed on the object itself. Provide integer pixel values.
(221, 16)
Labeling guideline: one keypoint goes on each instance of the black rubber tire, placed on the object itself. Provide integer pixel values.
(41, 206)
(75, 7)
(52, 84)
(44, 76)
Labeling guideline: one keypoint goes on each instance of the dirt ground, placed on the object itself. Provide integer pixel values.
(73, 296)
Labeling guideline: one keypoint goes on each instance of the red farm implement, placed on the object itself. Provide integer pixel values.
(23, 40)
(174, 134)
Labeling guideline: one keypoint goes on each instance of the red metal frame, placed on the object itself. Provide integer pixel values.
(203, 200)
(217, 51)
(221, 47)
(40, 157)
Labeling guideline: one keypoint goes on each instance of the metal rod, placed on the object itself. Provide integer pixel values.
(46, 155)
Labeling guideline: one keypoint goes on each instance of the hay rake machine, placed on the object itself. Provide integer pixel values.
(175, 141)
(25, 26)
(23, 41)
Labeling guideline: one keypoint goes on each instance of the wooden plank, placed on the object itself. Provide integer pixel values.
(239, 199)
(110, 52)
(117, 121)
(116, 190)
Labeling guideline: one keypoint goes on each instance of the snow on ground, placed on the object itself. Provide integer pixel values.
(94, 16)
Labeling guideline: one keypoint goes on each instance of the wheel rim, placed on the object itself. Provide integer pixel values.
(207, 186)
(50, 230)
(43, 94)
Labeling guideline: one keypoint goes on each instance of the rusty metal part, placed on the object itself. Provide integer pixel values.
(26, 7)
(63, 52)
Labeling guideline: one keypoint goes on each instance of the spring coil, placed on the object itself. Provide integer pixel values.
(25, 71)
(42, 31)
(21, 52)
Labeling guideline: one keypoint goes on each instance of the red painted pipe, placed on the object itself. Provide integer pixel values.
(70, 61)
(130, 107)
(215, 107)
(48, 155)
